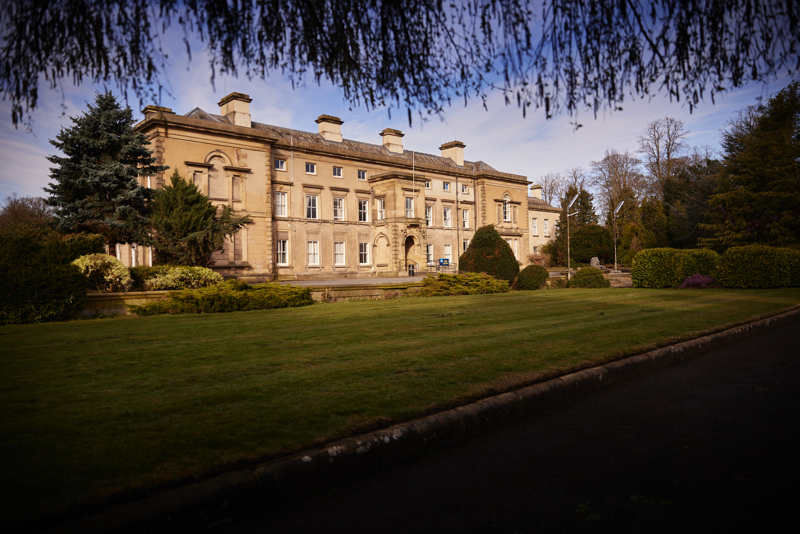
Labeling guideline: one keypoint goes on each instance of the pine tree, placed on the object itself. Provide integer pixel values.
(586, 215)
(185, 226)
(758, 196)
(95, 186)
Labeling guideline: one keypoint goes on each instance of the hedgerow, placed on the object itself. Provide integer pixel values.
(461, 284)
(227, 297)
(759, 266)
(104, 273)
(588, 277)
(669, 267)
(181, 277)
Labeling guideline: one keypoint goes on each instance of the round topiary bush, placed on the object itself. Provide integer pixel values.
(588, 277)
(489, 253)
(532, 277)
(105, 273)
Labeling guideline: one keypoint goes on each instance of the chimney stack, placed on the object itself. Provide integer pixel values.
(236, 106)
(393, 140)
(536, 191)
(455, 151)
(330, 128)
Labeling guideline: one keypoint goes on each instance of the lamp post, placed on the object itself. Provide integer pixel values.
(614, 218)
(571, 202)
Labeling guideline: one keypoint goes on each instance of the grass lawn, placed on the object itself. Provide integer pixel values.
(92, 408)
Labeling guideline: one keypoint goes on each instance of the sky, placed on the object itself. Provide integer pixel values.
(532, 146)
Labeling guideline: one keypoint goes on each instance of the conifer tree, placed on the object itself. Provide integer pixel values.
(95, 187)
(758, 196)
(185, 226)
(584, 206)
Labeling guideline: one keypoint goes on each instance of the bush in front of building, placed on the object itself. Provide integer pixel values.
(490, 254)
(669, 267)
(588, 277)
(104, 273)
(532, 277)
(228, 297)
(39, 283)
(445, 285)
(180, 277)
(759, 266)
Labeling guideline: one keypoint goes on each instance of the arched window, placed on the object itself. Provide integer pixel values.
(506, 208)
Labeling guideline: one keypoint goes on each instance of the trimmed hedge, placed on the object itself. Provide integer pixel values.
(532, 277)
(228, 297)
(669, 267)
(489, 253)
(182, 277)
(588, 277)
(759, 266)
(461, 284)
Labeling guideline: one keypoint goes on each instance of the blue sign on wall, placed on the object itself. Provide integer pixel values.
(443, 262)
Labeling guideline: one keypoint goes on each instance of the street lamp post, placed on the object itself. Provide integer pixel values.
(571, 202)
(614, 220)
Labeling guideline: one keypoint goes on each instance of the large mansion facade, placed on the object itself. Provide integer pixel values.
(323, 206)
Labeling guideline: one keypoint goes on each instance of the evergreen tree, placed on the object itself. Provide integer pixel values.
(685, 201)
(185, 226)
(584, 206)
(489, 253)
(758, 197)
(654, 223)
(95, 186)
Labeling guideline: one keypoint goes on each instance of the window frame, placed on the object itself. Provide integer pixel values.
(312, 244)
(280, 195)
(447, 218)
(506, 209)
(409, 207)
(465, 244)
(309, 207)
(465, 218)
(427, 185)
(445, 186)
(448, 253)
(381, 209)
(363, 210)
(429, 254)
(465, 189)
(362, 175)
(340, 208)
(363, 253)
(535, 226)
(281, 167)
(339, 256)
(312, 166)
(284, 252)
(429, 215)
(546, 228)
(341, 171)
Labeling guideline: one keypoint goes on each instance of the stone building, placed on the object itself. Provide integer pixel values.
(324, 206)
(542, 218)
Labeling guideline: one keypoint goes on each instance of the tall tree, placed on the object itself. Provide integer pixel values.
(758, 196)
(16, 210)
(573, 54)
(618, 177)
(576, 177)
(685, 199)
(585, 215)
(552, 187)
(95, 187)
(187, 228)
(661, 144)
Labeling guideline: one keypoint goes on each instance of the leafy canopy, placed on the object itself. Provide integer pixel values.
(489, 253)
(95, 186)
(758, 196)
(185, 226)
(573, 54)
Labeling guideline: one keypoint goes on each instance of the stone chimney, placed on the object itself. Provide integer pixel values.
(455, 151)
(151, 110)
(330, 128)
(393, 140)
(236, 106)
(536, 191)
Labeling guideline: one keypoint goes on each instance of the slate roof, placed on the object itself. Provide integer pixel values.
(539, 204)
(358, 146)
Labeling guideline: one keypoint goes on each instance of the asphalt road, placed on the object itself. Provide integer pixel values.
(707, 445)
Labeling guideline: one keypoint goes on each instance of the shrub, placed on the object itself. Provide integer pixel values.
(588, 277)
(489, 253)
(591, 241)
(179, 277)
(142, 273)
(38, 283)
(532, 277)
(697, 281)
(759, 266)
(227, 297)
(104, 273)
(461, 284)
(669, 267)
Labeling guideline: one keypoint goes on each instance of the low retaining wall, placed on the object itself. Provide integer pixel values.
(119, 303)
